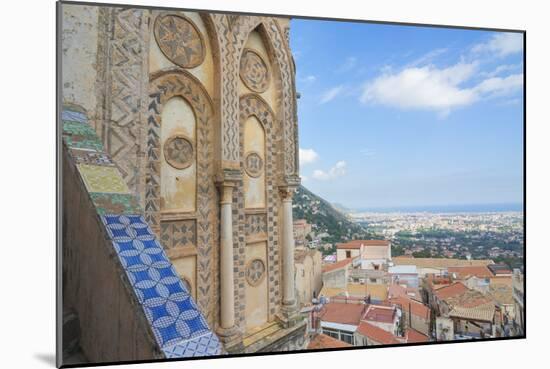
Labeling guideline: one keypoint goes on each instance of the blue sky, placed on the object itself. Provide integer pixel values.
(400, 116)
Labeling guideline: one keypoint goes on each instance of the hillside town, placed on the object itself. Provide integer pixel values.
(495, 235)
(364, 296)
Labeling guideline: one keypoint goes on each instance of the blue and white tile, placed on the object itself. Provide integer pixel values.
(171, 311)
(74, 116)
(205, 345)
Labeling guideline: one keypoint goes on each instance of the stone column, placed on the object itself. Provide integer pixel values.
(288, 248)
(227, 283)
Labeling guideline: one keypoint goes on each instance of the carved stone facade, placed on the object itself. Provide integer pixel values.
(198, 111)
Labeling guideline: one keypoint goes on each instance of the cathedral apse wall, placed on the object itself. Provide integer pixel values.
(198, 112)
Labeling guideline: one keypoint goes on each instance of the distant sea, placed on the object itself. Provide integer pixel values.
(472, 208)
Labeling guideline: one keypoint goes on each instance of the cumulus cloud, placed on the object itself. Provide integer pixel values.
(436, 89)
(331, 94)
(501, 44)
(307, 156)
(422, 88)
(338, 170)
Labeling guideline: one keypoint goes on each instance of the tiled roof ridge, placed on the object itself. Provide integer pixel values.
(179, 328)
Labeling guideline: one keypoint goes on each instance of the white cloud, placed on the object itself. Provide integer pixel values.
(500, 69)
(422, 88)
(307, 156)
(330, 94)
(501, 44)
(439, 90)
(339, 170)
(497, 86)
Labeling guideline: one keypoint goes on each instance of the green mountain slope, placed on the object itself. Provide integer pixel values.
(325, 218)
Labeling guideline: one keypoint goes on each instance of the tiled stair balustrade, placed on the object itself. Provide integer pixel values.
(159, 305)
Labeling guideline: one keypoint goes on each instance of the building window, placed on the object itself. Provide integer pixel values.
(348, 254)
(331, 332)
(347, 337)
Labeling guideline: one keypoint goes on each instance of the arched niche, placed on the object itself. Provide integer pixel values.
(178, 99)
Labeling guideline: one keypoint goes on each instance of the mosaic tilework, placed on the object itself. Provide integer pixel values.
(115, 203)
(75, 128)
(208, 344)
(82, 142)
(102, 179)
(92, 157)
(74, 116)
(179, 327)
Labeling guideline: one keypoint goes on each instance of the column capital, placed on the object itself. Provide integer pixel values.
(225, 182)
(226, 192)
(286, 192)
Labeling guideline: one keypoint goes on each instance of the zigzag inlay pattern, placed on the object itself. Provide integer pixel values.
(164, 87)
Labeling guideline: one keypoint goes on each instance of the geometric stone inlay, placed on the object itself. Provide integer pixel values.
(256, 224)
(254, 71)
(253, 164)
(102, 179)
(255, 272)
(179, 40)
(178, 152)
(178, 233)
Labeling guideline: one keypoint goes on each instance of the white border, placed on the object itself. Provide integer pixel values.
(28, 181)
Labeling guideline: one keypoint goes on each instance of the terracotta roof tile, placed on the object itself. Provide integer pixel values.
(480, 271)
(379, 314)
(338, 265)
(451, 290)
(484, 312)
(322, 341)
(414, 336)
(377, 334)
(416, 308)
(342, 313)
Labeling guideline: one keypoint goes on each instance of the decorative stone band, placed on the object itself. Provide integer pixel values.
(179, 327)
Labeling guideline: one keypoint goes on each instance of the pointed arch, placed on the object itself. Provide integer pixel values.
(164, 86)
(282, 65)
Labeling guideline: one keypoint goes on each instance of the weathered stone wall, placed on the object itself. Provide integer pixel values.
(336, 279)
(79, 43)
(112, 326)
